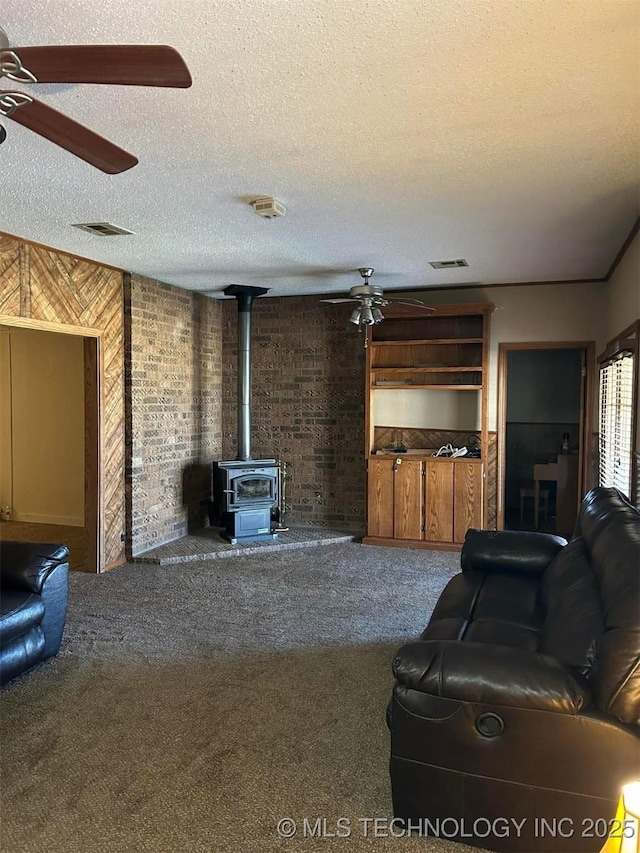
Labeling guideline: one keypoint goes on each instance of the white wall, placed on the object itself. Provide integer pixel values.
(623, 291)
(425, 409)
(42, 475)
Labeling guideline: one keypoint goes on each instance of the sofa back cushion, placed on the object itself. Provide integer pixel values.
(610, 527)
(574, 620)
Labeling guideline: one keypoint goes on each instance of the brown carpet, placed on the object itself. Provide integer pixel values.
(192, 707)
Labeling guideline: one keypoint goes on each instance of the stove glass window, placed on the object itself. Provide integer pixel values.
(253, 488)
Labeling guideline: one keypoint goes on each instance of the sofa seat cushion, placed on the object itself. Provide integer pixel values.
(487, 608)
(20, 611)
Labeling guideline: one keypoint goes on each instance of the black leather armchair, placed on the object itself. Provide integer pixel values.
(515, 720)
(34, 581)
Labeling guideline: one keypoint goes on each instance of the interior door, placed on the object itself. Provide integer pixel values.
(545, 393)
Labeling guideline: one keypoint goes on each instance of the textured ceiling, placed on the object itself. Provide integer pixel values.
(395, 132)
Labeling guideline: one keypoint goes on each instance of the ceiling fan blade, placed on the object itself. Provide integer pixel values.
(414, 303)
(119, 64)
(338, 301)
(70, 135)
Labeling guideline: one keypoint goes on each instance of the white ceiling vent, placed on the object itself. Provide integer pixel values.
(269, 208)
(445, 265)
(102, 229)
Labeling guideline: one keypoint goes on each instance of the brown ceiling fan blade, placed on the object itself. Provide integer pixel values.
(414, 303)
(119, 64)
(72, 136)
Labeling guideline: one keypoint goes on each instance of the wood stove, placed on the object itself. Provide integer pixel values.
(245, 490)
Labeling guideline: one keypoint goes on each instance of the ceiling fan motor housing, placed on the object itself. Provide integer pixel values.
(361, 291)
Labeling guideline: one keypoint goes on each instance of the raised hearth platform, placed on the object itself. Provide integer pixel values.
(207, 544)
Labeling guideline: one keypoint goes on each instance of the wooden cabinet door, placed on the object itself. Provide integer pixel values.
(439, 501)
(380, 497)
(467, 500)
(408, 501)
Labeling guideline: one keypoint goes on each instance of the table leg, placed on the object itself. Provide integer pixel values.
(536, 503)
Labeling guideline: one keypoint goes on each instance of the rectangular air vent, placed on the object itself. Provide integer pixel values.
(445, 265)
(269, 208)
(102, 229)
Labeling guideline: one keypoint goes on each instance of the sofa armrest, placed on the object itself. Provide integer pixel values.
(509, 551)
(27, 565)
(486, 674)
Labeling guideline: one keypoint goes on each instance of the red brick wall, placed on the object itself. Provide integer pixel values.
(308, 404)
(173, 375)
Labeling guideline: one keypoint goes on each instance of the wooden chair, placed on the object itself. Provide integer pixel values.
(530, 492)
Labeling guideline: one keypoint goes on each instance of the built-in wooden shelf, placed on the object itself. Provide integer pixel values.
(416, 499)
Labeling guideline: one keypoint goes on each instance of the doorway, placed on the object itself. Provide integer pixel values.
(49, 439)
(544, 434)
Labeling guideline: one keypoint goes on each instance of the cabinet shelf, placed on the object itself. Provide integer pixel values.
(426, 387)
(467, 369)
(426, 341)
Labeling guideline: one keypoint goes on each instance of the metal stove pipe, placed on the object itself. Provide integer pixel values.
(244, 296)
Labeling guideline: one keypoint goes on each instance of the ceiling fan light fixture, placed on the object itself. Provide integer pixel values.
(355, 316)
(366, 316)
(378, 316)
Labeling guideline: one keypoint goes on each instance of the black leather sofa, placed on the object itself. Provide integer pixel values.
(515, 720)
(34, 583)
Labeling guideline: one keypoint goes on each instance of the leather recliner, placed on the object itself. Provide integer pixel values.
(515, 720)
(34, 582)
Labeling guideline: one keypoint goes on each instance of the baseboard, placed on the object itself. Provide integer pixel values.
(114, 565)
(34, 518)
(422, 544)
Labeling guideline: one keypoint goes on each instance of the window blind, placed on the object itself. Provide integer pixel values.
(616, 407)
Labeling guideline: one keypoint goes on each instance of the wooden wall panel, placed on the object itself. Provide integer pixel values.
(9, 277)
(421, 439)
(70, 291)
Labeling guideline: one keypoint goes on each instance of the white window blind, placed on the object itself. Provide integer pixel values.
(616, 406)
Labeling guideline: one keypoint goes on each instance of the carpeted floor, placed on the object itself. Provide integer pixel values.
(194, 706)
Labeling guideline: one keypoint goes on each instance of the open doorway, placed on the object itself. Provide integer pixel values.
(544, 419)
(49, 440)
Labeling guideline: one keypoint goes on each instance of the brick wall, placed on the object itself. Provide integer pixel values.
(308, 404)
(173, 374)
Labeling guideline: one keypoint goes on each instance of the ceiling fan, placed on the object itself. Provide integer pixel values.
(131, 65)
(371, 300)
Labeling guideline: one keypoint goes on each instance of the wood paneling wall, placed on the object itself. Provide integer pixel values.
(43, 285)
